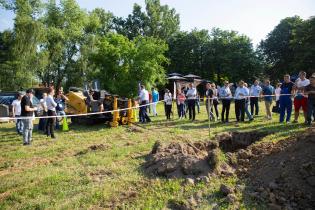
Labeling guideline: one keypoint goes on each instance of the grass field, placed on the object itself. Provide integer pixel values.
(66, 174)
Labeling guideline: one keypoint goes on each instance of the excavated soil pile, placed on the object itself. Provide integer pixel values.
(233, 141)
(182, 160)
(191, 160)
(282, 174)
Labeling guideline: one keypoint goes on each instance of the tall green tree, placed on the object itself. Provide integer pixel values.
(122, 63)
(278, 50)
(157, 20)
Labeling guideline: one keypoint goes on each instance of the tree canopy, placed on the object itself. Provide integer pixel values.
(58, 42)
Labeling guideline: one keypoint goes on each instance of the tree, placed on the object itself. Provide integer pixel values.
(278, 50)
(121, 63)
(303, 45)
(157, 20)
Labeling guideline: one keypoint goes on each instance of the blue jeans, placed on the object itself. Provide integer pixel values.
(248, 114)
(59, 113)
(19, 125)
(181, 110)
(285, 108)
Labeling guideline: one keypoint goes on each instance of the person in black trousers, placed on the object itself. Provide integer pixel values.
(51, 107)
(168, 104)
(240, 101)
(226, 96)
(191, 100)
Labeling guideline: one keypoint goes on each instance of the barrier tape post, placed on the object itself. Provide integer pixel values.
(209, 114)
(114, 123)
(129, 112)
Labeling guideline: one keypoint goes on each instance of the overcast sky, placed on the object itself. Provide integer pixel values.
(255, 18)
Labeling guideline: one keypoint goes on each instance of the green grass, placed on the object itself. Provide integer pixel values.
(52, 175)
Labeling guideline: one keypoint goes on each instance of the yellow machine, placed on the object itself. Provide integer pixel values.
(77, 104)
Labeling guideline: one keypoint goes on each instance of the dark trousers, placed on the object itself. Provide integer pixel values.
(285, 108)
(310, 109)
(50, 125)
(191, 108)
(168, 111)
(240, 110)
(144, 117)
(226, 103)
(42, 123)
(254, 105)
(215, 105)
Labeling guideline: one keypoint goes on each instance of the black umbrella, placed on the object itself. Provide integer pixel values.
(192, 76)
(174, 74)
(176, 78)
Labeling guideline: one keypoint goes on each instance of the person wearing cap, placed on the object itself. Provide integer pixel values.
(27, 111)
(51, 107)
(226, 96)
(255, 92)
(191, 101)
(300, 100)
(310, 92)
(16, 111)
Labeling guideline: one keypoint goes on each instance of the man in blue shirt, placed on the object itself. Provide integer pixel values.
(285, 99)
(268, 90)
(155, 99)
(255, 92)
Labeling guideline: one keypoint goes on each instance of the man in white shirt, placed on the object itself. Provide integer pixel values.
(255, 92)
(144, 99)
(16, 112)
(241, 93)
(191, 101)
(300, 100)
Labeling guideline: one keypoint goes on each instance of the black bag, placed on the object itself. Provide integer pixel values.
(276, 109)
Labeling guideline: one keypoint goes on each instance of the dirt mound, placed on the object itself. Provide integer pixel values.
(233, 141)
(283, 173)
(178, 160)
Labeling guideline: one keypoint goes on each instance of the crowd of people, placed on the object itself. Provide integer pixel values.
(51, 104)
(299, 94)
(246, 100)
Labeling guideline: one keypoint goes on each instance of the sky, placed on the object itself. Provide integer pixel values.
(254, 18)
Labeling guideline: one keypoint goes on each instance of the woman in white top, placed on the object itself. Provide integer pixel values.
(191, 101)
(168, 104)
(51, 107)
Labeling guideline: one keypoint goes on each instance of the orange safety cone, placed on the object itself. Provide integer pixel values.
(65, 126)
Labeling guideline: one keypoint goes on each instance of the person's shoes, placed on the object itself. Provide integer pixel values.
(53, 137)
(295, 121)
(25, 144)
(252, 119)
(288, 122)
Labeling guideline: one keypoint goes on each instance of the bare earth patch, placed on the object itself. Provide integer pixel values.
(282, 174)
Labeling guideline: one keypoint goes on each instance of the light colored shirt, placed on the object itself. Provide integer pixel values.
(301, 84)
(255, 90)
(17, 107)
(278, 92)
(144, 95)
(51, 104)
(43, 104)
(241, 93)
(225, 92)
(168, 98)
(191, 93)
